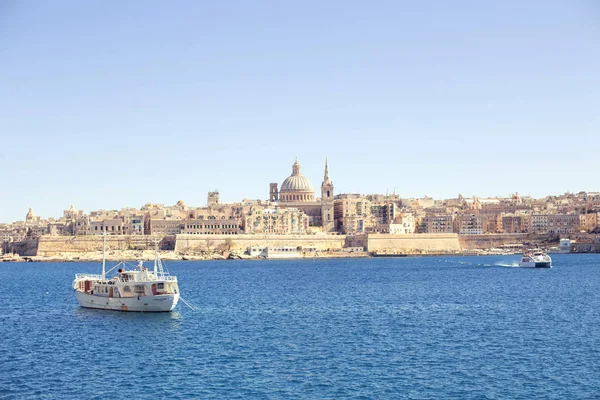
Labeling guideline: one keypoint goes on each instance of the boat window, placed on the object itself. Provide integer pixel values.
(139, 288)
(127, 289)
(161, 285)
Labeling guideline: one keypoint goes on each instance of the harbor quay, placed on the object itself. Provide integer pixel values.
(245, 246)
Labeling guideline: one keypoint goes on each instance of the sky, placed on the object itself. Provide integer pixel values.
(112, 104)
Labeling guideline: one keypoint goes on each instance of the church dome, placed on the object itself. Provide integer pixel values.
(296, 183)
(297, 187)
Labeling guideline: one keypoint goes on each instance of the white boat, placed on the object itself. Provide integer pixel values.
(275, 251)
(535, 259)
(138, 290)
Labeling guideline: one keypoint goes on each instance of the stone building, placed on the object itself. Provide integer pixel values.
(211, 226)
(133, 224)
(383, 212)
(280, 221)
(491, 223)
(82, 225)
(31, 217)
(403, 224)
(161, 226)
(212, 199)
(112, 226)
(352, 213)
(539, 224)
(297, 192)
(588, 221)
(439, 223)
(470, 224)
(564, 223)
(513, 224)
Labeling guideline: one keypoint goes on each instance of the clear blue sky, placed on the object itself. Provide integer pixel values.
(112, 104)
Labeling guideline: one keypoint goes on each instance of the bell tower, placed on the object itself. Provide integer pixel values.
(328, 221)
(273, 192)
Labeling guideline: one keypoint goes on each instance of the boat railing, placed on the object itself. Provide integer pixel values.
(88, 276)
(167, 278)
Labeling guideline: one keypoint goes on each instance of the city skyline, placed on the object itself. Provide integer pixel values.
(203, 203)
(225, 199)
(112, 105)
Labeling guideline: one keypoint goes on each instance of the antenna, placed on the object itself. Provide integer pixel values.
(155, 256)
(158, 267)
(104, 256)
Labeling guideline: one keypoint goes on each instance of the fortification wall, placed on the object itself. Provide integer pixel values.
(25, 248)
(443, 242)
(197, 243)
(49, 246)
(471, 242)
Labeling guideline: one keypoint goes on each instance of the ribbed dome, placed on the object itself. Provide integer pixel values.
(296, 187)
(296, 183)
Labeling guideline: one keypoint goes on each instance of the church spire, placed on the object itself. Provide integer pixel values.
(326, 180)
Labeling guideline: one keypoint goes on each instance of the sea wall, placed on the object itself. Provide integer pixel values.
(185, 244)
(49, 246)
(443, 242)
(488, 241)
(25, 248)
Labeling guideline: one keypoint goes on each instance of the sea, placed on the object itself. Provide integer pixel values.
(374, 328)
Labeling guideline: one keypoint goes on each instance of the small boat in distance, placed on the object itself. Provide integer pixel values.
(535, 259)
(138, 290)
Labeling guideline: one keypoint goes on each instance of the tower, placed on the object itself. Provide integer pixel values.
(327, 218)
(273, 192)
(213, 199)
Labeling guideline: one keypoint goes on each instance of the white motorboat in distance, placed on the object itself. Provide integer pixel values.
(535, 259)
(138, 290)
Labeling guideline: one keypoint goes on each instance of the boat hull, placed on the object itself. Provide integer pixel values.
(536, 264)
(158, 303)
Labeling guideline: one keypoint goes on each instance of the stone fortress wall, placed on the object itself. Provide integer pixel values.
(489, 241)
(442, 242)
(239, 243)
(49, 246)
(52, 246)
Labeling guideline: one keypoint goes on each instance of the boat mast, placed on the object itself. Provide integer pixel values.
(159, 272)
(104, 257)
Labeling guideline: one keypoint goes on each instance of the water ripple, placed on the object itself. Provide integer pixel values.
(323, 329)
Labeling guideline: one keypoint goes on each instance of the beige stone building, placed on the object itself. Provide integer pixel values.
(403, 224)
(355, 213)
(352, 213)
(112, 226)
(211, 226)
(564, 223)
(161, 226)
(439, 223)
(588, 221)
(491, 223)
(277, 220)
(297, 192)
(539, 224)
(470, 224)
(514, 224)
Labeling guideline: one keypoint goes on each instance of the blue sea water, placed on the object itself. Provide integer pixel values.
(435, 327)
